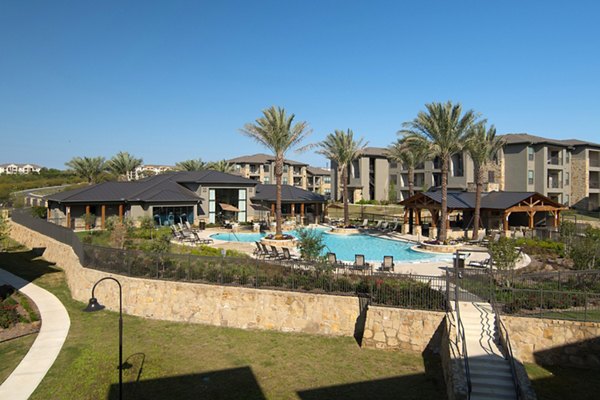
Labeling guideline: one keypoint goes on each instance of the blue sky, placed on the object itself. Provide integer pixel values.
(173, 80)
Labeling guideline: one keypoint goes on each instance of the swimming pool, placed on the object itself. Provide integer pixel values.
(346, 246)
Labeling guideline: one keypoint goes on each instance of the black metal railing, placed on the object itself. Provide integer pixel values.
(393, 290)
(459, 324)
(504, 340)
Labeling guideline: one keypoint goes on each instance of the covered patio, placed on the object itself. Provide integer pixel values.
(296, 204)
(500, 211)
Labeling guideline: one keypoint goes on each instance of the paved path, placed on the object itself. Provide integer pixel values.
(42, 354)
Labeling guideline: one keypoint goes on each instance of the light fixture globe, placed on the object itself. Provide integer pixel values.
(93, 305)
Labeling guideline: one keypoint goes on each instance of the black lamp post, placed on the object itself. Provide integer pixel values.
(93, 305)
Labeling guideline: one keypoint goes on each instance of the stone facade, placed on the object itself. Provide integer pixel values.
(580, 179)
(400, 329)
(554, 342)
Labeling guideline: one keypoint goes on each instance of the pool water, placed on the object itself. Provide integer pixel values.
(346, 246)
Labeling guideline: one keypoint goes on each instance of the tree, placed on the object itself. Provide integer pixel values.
(444, 128)
(221, 166)
(191, 165)
(482, 146)
(124, 165)
(90, 168)
(4, 231)
(410, 154)
(341, 147)
(275, 131)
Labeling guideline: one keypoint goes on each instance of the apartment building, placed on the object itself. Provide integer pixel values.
(585, 175)
(12, 168)
(319, 181)
(537, 164)
(261, 168)
(566, 171)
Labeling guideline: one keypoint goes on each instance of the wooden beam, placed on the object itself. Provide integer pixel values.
(531, 215)
(121, 213)
(505, 220)
(87, 217)
(293, 209)
(103, 219)
(302, 210)
(68, 217)
(533, 208)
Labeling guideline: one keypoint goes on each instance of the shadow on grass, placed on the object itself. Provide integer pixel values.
(569, 371)
(236, 383)
(27, 264)
(428, 385)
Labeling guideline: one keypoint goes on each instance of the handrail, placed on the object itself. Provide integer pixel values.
(460, 327)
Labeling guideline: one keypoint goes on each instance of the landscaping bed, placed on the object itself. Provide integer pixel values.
(19, 315)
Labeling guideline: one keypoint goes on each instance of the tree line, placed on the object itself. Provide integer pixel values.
(124, 167)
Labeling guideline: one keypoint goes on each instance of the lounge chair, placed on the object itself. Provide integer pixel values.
(287, 255)
(365, 224)
(480, 264)
(388, 264)
(333, 261)
(480, 237)
(384, 226)
(258, 252)
(198, 239)
(395, 227)
(360, 264)
(266, 252)
(378, 225)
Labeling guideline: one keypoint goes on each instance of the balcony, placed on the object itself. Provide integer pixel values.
(555, 157)
(554, 182)
(594, 157)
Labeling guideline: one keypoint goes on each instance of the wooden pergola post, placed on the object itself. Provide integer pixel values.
(505, 221)
(302, 210)
(293, 210)
(121, 213)
(68, 217)
(103, 218)
(531, 214)
(87, 217)
(556, 218)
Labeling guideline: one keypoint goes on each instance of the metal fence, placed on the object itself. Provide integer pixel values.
(407, 291)
(571, 295)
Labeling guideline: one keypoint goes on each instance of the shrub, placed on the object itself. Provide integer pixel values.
(39, 212)
(310, 243)
(8, 316)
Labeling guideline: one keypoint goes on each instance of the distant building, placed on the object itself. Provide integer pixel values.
(319, 180)
(261, 168)
(11, 169)
(151, 170)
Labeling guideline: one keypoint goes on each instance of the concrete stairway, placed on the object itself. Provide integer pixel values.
(491, 377)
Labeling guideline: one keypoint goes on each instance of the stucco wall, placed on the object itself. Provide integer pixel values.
(554, 342)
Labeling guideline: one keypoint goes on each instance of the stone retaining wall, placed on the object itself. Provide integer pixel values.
(554, 342)
(400, 329)
(200, 303)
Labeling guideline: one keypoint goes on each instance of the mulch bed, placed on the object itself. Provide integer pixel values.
(28, 312)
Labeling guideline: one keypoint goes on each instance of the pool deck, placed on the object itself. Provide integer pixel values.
(438, 267)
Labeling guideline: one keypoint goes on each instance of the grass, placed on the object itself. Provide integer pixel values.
(556, 383)
(188, 361)
(12, 352)
(582, 215)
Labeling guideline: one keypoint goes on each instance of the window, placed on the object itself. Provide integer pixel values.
(530, 177)
(266, 180)
(393, 164)
(285, 180)
(266, 167)
(491, 177)
(394, 179)
(567, 199)
(530, 153)
(327, 179)
(567, 177)
(568, 157)
(285, 168)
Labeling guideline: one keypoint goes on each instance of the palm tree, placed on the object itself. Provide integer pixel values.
(90, 168)
(482, 146)
(411, 154)
(191, 165)
(341, 147)
(124, 165)
(444, 128)
(275, 131)
(221, 166)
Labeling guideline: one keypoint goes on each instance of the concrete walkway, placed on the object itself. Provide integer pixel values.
(42, 354)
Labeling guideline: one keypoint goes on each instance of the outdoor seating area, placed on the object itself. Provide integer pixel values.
(185, 233)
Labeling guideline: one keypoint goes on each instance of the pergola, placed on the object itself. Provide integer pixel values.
(502, 204)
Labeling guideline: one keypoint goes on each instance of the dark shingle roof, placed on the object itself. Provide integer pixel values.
(261, 159)
(318, 171)
(576, 142)
(518, 138)
(460, 200)
(289, 194)
(166, 187)
(374, 152)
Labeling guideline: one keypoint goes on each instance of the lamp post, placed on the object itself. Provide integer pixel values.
(93, 305)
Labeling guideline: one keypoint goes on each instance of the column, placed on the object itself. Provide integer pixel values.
(293, 210)
(103, 218)
(531, 214)
(505, 222)
(121, 213)
(68, 217)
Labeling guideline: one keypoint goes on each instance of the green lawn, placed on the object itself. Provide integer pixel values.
(168, 360)
(556, 383)
(12, 352)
